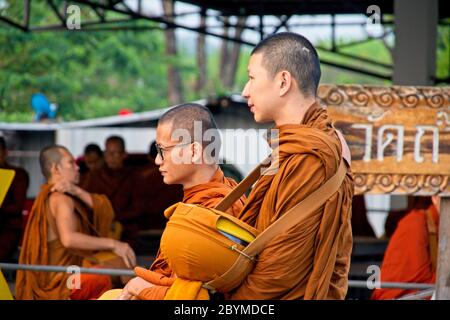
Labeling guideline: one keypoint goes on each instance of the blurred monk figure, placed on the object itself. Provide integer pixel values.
(411, 255)
(118, 183)
(11, 209)
(393, 218)
(202, 180)
(93, 157)
(154, 195)
(92, 160)
(67, 225)
(360, 223)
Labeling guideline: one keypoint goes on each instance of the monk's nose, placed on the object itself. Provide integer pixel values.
(158, 160)
(245, 92)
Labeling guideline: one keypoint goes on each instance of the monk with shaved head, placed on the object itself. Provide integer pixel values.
(188, 144)
(65, 227)
(311, 260)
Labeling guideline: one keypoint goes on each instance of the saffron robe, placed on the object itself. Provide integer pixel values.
(119, 186)
(37, 250)
(408, 257)
(207, 194)
(312, 259)
(154, 196)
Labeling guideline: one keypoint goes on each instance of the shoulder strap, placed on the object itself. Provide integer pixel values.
(249, 180)
(240, 189)
(308, 205)
(314, 201)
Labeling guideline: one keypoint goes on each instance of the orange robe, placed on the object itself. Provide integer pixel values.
(36, 250)
(154, 196)
(119, 186)
(207, 194)
(312, 259)
(407, 257)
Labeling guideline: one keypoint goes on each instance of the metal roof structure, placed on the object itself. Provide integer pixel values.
(105, 14)
(97, 122)
(134, 119)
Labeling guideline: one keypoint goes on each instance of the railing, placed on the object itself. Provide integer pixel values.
(427, 290)
(67, 269)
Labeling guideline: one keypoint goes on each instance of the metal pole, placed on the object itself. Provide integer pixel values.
(391, 285)
(419, 295)
(25, 267)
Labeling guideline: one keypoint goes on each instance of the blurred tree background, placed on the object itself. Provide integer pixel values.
(94, 74)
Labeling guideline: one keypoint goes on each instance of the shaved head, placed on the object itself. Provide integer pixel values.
(49, 156)
(194, 118)
(294, 53)
(116, 139)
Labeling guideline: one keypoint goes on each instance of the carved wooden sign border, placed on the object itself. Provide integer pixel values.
(399, 136)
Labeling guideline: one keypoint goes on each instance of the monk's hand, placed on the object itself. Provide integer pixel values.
(123, 250)
(134, 287)
(125, 295)
(63, 185)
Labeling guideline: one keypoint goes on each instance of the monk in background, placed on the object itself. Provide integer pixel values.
(154, 195)
(411, 255)
(93, 159)
(360, 223)
(118, 183)
(11, 209)
(66, 226)
(202, 180)
(312, 259)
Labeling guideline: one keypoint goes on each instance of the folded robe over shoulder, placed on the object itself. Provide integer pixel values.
(312, 259)
(36, 250)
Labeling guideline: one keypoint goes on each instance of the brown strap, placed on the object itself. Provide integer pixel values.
(307, 206)
(245, 184)
(240, 189)
(432, 239)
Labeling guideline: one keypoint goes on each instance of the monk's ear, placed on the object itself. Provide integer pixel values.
(285, 82)
(54, 169)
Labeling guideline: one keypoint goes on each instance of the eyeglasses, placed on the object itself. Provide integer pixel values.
(160, 149)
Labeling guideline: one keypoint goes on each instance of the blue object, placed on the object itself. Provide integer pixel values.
(42, 107)
(233, 238)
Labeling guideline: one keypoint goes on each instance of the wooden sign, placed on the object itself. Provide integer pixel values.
(399, 137)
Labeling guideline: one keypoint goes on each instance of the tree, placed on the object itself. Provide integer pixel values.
(88, 74)
(230, 53)
(201, 57)
(175, 91)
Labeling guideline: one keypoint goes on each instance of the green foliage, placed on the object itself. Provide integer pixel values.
(443, 52)
(89, 74)
(94, 74)
(372, 50)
